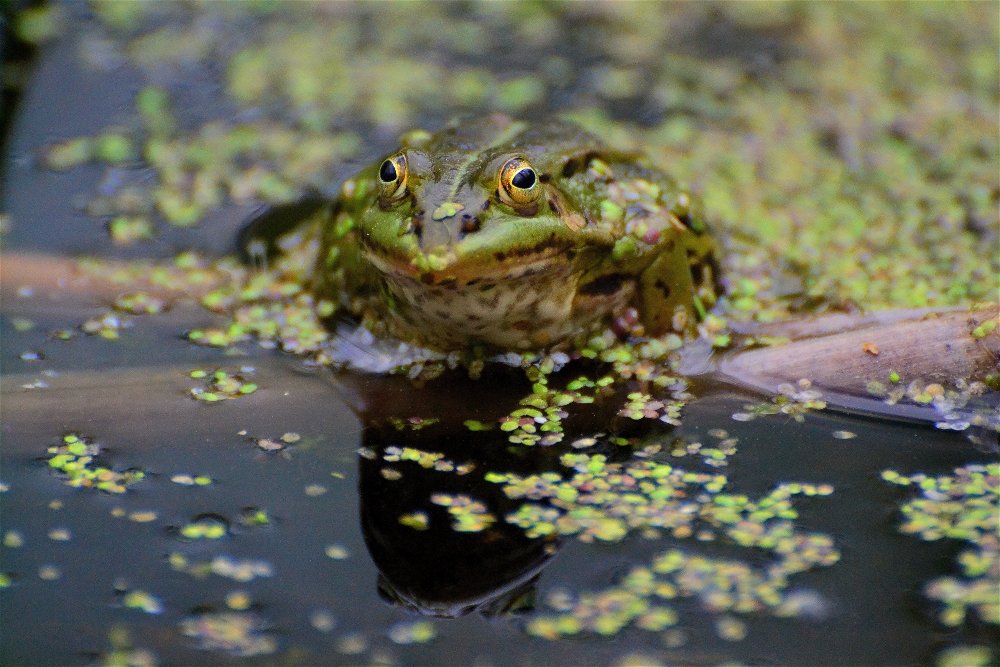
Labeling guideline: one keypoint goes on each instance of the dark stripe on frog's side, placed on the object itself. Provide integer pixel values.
(705, 273)
(537, 249)
(604, 285)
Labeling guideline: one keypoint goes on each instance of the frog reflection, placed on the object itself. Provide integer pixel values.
(433, 522)
(427, 565)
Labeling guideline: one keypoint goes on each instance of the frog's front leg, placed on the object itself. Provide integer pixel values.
(681, 284)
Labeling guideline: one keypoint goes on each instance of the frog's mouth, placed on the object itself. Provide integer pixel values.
(449, 267)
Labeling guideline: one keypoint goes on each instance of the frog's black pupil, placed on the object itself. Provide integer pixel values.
(387, 172)
(523, 179)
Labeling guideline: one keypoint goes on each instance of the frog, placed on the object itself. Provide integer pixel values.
(515, 235)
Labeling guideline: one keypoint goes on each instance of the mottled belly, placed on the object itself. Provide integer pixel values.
(516, 312)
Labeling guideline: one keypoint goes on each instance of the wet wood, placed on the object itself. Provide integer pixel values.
(840, 357)
(26, 276)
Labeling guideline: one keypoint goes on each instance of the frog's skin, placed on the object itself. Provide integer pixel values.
(437, 245)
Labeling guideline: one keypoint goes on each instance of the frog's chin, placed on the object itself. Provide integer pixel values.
(471, 270)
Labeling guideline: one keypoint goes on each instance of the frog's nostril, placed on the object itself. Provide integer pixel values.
(470, 224)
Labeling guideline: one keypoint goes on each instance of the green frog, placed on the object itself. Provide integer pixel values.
(517, 236)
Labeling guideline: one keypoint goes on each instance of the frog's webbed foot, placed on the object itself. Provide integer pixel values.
(354, 347)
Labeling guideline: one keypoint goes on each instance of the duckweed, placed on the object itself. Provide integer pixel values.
(204, 528)
(597, 500)
(721, 586)
(643, 406)
(254, 517)
(129, 229)
(415, 520)
(730, 629)
(605, 501)
(962, 506)
(222, 385)
(123, 654)
(985, 329)
(539, 420)
(794, 401)
(238, 633)
(75, 460)
(60, 535)
(959, 406)
(184, 479)
(337, 552)
(241, 570)
(965, 656)
(468, 515)
(238, 600)
(269, 307)
(269, 445)
(413, 423)
(353, 643)
(113, 149)
(475, 425)
(417, 632)
(427, 460)
(68, 154)
(13, 539)
(323, 620)
(143, 601)
(22, 324)
(139, 303)
(108, 325)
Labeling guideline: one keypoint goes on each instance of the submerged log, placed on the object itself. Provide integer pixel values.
(855, 361)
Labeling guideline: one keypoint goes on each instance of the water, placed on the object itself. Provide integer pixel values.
(319, 494)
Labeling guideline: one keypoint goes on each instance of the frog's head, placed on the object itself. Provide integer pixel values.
(478, 200)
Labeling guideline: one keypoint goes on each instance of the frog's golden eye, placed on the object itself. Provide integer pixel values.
(519, 184)
(392, 178)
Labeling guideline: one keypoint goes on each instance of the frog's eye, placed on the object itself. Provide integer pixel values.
(519, 185)
(392, 178)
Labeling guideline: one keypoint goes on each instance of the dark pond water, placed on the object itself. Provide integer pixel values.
(320, 495)
(330, 575)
